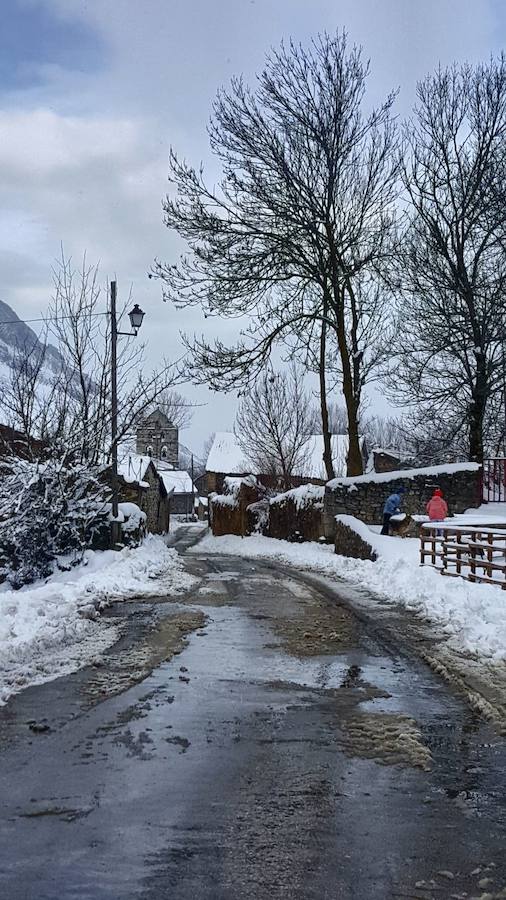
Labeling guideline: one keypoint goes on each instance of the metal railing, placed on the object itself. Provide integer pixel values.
(474, 552)
(494, 480)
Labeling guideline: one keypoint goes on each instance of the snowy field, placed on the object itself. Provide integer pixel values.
(472, 616)
(53, 627)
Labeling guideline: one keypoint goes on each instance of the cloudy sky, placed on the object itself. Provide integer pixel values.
(93, 93)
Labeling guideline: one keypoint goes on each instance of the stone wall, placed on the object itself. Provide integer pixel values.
(364, 496)
(299, 510)
(215, 481)
(348, 542)
(155, 503)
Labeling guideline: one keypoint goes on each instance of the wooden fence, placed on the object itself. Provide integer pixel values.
(475, 552)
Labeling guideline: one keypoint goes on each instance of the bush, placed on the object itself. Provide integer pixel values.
(48, 512)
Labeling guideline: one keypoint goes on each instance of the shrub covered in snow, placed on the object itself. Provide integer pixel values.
(48, 512)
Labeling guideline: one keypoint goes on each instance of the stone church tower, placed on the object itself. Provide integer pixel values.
(159, 438)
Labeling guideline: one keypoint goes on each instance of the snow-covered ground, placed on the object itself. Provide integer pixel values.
(472, 616)
(53, 627)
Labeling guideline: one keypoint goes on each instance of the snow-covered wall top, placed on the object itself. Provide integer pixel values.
(301, 496)
(403, 474)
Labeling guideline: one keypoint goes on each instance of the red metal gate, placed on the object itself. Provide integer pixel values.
(494, 480)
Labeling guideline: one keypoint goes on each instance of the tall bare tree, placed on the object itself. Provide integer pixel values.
(302, 224)
(273, 423)
(453, 303)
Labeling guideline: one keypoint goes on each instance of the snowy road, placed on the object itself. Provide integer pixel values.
(289, 750)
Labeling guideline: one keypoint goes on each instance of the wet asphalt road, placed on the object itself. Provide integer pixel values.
(244, 767)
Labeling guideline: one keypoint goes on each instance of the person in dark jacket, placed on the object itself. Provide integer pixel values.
(392, 506)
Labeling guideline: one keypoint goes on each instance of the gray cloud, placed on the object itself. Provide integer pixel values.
(83, 155)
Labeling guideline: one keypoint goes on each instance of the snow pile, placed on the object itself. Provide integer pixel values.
(53, 627)
(134, 519)
(233, 485)
(306, 495)
(472, 616)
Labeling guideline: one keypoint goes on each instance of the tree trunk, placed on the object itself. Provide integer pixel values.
(327, 444)
(355, 464)
(477, 412)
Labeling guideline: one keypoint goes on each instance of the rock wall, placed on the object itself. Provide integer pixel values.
(364, 496)
(348, 542)
(299, 510)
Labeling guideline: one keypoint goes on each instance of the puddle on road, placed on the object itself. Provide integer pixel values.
(128, 665)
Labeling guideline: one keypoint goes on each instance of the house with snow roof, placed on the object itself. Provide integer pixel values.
(226, 458)
(141, 483)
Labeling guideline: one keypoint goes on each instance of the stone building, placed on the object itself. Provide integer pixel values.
(140, 483)
(157, 437)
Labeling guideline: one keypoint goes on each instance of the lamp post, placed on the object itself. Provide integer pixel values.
(136, 316)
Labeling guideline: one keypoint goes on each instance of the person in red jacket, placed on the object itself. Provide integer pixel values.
(437, 507)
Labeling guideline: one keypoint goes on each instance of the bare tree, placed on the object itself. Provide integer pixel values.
(273, 422)
(30, 400)
(81, 327)
(453, 304)
(301, 227)
(176, 407)
(388, 432)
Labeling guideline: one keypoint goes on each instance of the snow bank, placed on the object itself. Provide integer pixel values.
(50, 628)
(472, 616)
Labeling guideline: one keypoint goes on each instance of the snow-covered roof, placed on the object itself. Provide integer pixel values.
(133, 466)
(227, 457)
(176, 480)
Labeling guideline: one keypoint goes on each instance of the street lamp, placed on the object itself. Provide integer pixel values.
(136, 316)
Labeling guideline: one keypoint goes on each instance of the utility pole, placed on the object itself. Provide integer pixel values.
(136, 316)
(115, 524)
(193, 488)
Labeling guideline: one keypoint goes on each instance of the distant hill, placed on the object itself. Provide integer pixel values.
(19, 340)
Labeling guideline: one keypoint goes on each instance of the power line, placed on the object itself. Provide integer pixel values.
(49, 319)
